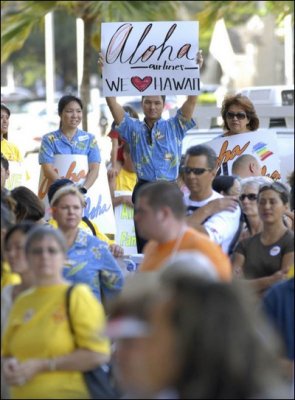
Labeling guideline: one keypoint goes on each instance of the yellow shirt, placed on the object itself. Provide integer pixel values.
(38, 327)
(8, 277)
(125, 180)
(10, 151)
(84, 226)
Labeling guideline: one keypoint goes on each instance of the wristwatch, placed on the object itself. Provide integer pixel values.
(83, 190)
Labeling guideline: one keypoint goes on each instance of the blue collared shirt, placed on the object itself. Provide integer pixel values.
(57, 143)
(155, 153)
(90, 261)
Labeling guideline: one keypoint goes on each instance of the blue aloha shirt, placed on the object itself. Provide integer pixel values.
(83, 143)
(155, 153)
(89, 261)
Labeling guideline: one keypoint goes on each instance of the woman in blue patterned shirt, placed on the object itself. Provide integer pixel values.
(88, 258)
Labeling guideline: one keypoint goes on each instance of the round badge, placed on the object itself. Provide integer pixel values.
(274, 251)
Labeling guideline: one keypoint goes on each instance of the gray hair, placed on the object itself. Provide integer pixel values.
(43, 231)
(255, 181)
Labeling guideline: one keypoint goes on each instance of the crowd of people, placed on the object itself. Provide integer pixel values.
(209, 312)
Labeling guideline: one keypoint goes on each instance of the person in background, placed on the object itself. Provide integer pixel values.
(239, 115)
(125, 180)
(175, 351)
(278, 304)
(86, 224)
(248, 200)
(14, 244)
(160, 216)
(227, 185)
(246, 165)
(265, 258)
(4, 171)
(42, 358)
(155, 143)
(69, 139)
(117, 157)
(88, 258)
(28, 205)
(208, 211)
(10, 151)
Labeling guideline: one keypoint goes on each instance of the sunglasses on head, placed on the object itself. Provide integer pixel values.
(239, 115)
(276, 186)
(195, 171)
(250, 196)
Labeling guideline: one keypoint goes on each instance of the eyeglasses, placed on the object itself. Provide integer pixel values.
(195, 171)
(239, 115)
(39, 250)
(250, 196)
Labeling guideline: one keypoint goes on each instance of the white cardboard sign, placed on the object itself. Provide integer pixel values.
(261, 144)
(99, 206)
(125, 235)
(150, 58)
(17, 175)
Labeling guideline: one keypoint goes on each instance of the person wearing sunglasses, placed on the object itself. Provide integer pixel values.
(239, 115)
(208, 211)
(265, 258)
(248, 200)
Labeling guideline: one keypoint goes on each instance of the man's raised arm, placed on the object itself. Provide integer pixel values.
(188, 106)
(116, 109)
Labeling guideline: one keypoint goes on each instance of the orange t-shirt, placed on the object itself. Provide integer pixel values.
(155, 254)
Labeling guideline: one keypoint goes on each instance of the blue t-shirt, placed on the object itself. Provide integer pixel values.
(90, 261)
(278, 303)
(155, 152)
(83, 143)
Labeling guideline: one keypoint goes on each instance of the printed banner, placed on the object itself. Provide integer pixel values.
(99, 208)
(261, 144)
(125, 235)
(17, 175)
(150, 58)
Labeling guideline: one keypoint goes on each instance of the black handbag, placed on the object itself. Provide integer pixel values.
(98, 380)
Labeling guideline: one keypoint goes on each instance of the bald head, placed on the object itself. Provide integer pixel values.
(246, 165)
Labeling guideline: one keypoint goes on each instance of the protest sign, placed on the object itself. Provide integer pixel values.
(99, 207)
(17, 175)
(261, 144)
(125, 233)
(150, 58)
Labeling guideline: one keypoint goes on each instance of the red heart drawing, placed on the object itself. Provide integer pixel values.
(141, 84)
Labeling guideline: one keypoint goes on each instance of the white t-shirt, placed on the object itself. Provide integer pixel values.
(221, 227)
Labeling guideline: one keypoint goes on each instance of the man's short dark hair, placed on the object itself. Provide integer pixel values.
(164, 194)
(203, 150)
(163, 98)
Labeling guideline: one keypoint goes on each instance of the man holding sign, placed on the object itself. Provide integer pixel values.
(155, 143)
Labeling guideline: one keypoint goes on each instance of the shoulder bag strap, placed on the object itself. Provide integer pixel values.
(68, 313)
(90, 225)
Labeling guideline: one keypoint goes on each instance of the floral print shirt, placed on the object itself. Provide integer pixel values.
(90, 261)
(155, 152)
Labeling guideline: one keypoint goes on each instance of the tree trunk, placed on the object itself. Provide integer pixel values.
(85, 85)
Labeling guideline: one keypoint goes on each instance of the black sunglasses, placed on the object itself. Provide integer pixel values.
(250, 196)
(239, 115)
(195, 171)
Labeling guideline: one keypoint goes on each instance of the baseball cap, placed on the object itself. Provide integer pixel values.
(57, 184)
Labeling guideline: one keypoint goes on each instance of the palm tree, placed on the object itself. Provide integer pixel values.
(20, 17)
